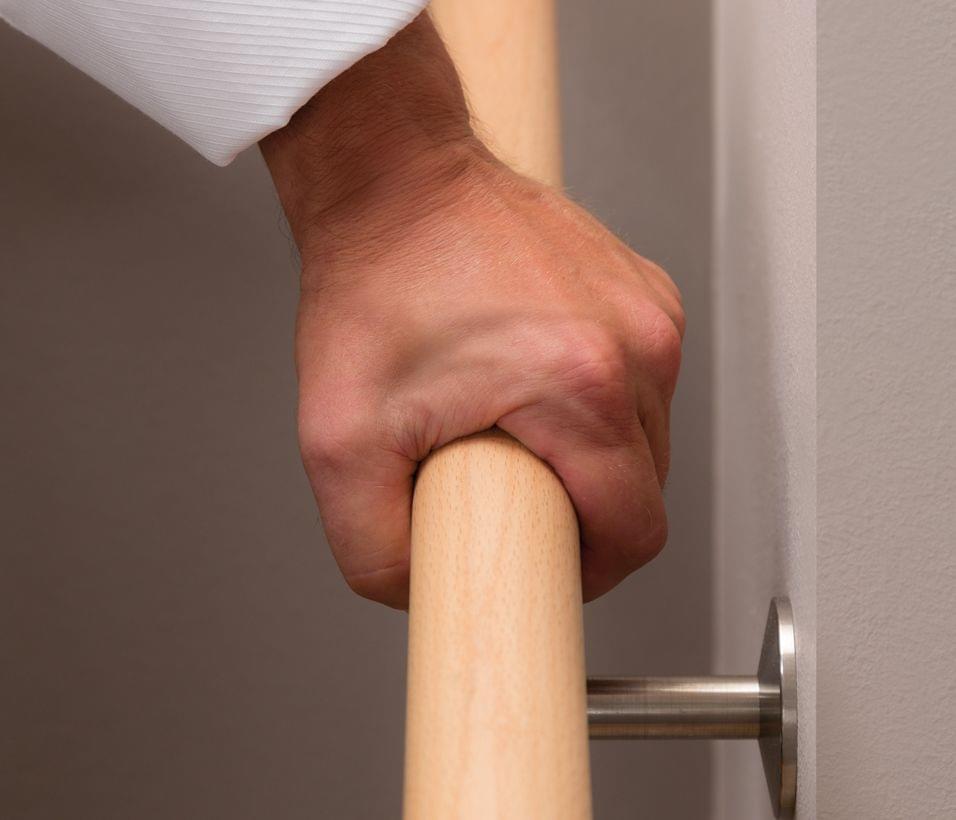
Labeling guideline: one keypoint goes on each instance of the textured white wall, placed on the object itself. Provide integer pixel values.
(887, 398)
(765, 321)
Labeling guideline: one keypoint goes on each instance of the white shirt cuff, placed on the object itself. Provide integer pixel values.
(220, 74)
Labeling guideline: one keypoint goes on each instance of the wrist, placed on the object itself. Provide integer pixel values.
(381, 141)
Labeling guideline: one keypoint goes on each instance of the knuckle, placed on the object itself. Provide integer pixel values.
(387, 584)
(662, 346)
(362, 584)
(592, 361)
(329, 437)
(679, 317)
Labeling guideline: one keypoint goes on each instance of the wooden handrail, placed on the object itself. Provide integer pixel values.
(497, 714)
(506, 54)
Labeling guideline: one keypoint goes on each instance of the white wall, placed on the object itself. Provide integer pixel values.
(887, 399)
(765, 279)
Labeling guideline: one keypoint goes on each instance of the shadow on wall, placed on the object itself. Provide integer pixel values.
(765, 303)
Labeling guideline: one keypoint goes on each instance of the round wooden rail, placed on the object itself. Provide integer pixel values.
(497, 722)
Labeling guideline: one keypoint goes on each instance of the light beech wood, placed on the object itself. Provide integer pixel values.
(497, 713)
(506, 55)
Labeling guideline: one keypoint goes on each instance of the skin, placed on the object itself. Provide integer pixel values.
(443, 294)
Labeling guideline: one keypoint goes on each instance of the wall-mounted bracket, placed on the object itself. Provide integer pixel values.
(761, 707)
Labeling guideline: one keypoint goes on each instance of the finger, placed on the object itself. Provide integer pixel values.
(611, 478)
(655, 420)
(657, 364)
(363, 492)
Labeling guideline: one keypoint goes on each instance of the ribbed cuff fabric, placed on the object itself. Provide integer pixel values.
(220, 74)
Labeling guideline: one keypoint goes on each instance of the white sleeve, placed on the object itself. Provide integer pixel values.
(220, 74)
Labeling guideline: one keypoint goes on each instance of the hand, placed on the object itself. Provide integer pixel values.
(443, 294)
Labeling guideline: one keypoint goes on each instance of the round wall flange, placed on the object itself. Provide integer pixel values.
(777, 676)
(761, 707)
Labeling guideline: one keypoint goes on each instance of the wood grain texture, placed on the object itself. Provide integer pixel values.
(496, 724)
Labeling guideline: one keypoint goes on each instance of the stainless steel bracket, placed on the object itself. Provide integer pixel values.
(761, 707)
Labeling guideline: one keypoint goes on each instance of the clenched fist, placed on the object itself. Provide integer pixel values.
(443, 294)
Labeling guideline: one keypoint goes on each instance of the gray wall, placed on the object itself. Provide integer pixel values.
(176, 639)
